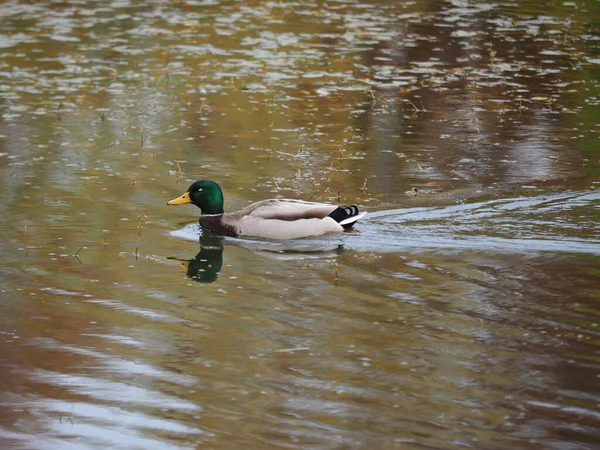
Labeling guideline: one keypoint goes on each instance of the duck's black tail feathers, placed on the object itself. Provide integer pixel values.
(346, 216)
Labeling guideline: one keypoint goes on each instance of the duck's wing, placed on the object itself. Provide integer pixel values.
(287, 210)
(284, 219)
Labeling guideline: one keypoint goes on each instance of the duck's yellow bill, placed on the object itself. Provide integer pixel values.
(185, 198)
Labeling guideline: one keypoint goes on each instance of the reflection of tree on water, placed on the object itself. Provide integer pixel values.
(484, 100)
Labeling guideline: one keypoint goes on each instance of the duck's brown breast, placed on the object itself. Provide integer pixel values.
(215, 224)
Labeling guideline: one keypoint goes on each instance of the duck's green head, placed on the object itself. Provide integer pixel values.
(205, 194)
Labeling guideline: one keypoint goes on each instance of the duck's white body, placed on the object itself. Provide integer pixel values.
(280, 219)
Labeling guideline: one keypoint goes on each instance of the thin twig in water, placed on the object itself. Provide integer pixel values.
(419, 168)
(180, 173)
(139, 236)
(413, 105)
(374, 99)
(26, 242)
(520, 109)
(77, 253)
(289, 154)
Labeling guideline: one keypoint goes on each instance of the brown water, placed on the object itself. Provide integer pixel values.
(465, 315)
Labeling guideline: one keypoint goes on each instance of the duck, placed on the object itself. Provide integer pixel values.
(279, 218)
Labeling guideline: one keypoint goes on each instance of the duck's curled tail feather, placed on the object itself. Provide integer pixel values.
(346, 216)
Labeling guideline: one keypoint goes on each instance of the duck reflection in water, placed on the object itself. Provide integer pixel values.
(205, 266)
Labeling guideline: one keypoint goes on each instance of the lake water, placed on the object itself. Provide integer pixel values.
(464, 315)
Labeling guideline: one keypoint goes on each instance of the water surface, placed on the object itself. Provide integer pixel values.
(466, 312)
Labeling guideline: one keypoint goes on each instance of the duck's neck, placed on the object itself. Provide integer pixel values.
(212, 210)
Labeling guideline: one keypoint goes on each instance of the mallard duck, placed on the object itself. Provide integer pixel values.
(274, 219)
